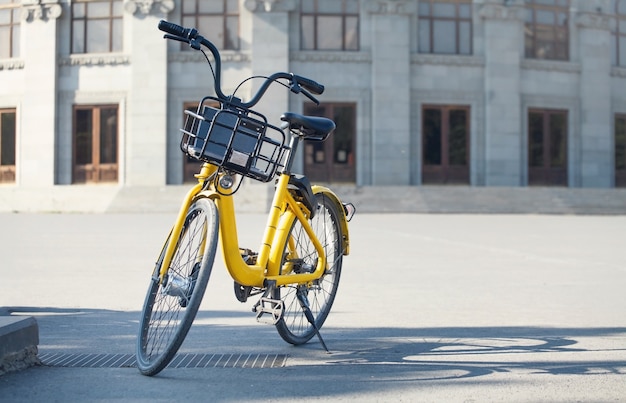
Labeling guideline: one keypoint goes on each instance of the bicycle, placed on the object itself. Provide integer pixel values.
(297, 268)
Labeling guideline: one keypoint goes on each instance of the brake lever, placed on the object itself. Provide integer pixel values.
(176, 38)
(308, 95)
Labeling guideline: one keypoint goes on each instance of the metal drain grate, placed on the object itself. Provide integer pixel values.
(180, 361)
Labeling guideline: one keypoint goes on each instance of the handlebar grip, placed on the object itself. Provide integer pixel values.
(175, 29)
(313, 86)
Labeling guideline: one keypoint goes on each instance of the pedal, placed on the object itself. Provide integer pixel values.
(269, 311)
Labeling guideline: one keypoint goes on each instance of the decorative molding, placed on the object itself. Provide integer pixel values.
(269, 6)
(332, 57)
(447, 60)
(400, 7)
(595, 21)
(497, 11)
(619, 72)
(147, 7)
(551, 65)
(95, 59)
(195, 57)
(11, 64)
(43, 10)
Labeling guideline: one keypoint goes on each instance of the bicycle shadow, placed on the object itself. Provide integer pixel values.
(404, 353)
(463, 352)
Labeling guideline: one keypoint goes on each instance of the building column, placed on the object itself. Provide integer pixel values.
(596, 141)
(146, 128)
(270, 52)
(37, 143)
(503, 26)
(391, 97)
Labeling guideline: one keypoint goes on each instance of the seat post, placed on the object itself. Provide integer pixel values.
(291, 153)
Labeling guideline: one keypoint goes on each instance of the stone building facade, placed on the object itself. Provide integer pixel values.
(483, 92)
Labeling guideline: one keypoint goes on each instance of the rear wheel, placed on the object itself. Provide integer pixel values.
(171, 305)
(319, 295)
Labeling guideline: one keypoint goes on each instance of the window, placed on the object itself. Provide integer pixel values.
(618, 35)
(329, 25)
(445, 26)
(217, 20)
(97, 26)
(445, 144)
(332, 160)
(95, 144)
(7, 145)
(620, 151)
(547, 147)
(9, 28)
(546, 31)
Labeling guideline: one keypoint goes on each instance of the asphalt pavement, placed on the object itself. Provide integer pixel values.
(431, 307)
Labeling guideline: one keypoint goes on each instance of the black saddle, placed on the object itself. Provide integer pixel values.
(311, 127)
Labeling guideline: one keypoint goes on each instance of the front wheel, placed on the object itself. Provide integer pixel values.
(171, 304)
(319, 295)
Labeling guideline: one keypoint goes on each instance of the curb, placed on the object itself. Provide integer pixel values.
(19, 337)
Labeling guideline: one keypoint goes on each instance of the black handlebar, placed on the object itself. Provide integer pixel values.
(299, 84)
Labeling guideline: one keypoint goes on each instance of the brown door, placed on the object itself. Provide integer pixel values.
(95, 144)
(620, 151)
(547, 147)
(445, 145)
(333, 160)
(7, 145)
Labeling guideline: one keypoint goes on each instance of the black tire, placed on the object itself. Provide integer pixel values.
(171, 306)
(294, 327)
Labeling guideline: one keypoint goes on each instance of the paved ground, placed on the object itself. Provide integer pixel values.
(454, 308)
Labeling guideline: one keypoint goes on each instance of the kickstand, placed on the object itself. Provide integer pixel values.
(309, 316)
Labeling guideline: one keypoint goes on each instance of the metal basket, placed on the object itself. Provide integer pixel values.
(238, 140)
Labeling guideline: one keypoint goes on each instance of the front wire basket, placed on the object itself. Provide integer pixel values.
(239, 140)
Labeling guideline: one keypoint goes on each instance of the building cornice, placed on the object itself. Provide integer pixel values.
(11, 64)
(595, 21)
(269, 6)
(551, 65)
(195, 57)
(498, 11)
(400, 7)
(41, 10)
(95, 59)
(330, 56)
(147, 7)
(447, 60)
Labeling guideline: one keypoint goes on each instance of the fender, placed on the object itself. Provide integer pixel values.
(343, 221)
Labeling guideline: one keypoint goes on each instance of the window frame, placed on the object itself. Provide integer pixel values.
(618, 37)
(430, 18)
(111, 17)
(533, 28)
(14, 28)
(345, 14)
(197, 14)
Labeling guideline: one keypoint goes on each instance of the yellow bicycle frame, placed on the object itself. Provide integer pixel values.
(284, 210)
